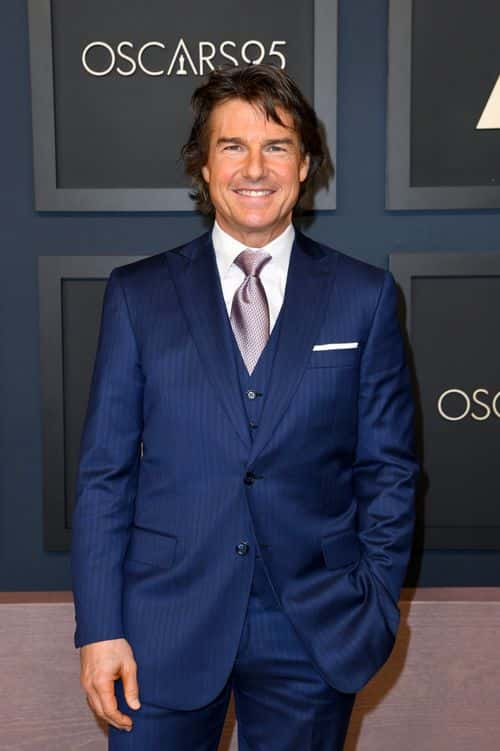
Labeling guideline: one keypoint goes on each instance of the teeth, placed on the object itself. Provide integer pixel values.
(255, 192)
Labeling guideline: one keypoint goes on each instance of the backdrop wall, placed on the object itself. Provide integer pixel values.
(360, 226)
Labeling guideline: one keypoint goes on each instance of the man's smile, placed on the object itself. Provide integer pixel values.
(253, 193)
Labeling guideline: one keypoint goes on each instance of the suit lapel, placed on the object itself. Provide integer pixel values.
(194, 272)
(310, 274)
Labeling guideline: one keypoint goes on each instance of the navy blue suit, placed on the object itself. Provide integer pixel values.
(164, 545)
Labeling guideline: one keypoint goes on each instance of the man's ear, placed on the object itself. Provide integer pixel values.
(304, 168)
(205, 173)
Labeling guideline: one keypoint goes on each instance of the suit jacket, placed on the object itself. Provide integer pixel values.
(327, 483)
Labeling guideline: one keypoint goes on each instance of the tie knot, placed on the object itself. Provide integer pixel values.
(251, 262)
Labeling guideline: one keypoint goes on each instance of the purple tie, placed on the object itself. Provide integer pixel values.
(249, 310)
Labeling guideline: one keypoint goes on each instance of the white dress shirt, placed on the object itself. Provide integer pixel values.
(273, 275)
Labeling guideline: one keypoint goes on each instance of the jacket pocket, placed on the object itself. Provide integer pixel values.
(341, 548)
(333, 358)
(154, 548)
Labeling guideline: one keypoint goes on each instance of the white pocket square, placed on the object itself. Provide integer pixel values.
(336, 345)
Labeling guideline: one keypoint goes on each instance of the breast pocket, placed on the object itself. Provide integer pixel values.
(333, 358)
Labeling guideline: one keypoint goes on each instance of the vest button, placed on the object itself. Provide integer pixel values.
(253, 424)
(251, 394)
(242, 548)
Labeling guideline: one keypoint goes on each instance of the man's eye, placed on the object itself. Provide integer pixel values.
(232, 147)
(276, 148)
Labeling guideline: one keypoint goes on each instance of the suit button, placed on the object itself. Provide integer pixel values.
(249, 478)
(242, 548)
(253, 424)
(251, 394)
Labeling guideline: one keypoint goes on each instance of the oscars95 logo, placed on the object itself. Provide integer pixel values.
(153, 58)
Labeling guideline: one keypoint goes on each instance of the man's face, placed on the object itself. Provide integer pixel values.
(254, 169)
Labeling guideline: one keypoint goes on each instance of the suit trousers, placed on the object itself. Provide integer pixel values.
(282, 702)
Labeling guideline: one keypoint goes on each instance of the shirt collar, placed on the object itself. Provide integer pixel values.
(227, 248)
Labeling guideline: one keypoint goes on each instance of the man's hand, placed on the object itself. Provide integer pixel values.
(102, 663)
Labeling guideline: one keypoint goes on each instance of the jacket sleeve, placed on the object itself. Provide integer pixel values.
(386, 469)
(107, 473)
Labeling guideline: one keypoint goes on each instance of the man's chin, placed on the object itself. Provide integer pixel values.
(257, 222)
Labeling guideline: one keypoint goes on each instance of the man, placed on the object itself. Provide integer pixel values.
(260, 540)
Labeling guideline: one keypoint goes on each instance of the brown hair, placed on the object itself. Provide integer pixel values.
(268, 87)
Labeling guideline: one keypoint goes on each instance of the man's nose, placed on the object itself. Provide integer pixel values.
(255, 166)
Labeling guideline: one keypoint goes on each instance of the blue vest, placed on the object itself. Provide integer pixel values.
(253, 387)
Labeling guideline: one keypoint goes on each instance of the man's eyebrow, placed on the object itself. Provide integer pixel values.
(272, 141)
(268, 142)
(229, 140)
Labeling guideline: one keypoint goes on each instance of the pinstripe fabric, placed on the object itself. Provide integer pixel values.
(282, 702)
(254, 389)
(327, 480)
